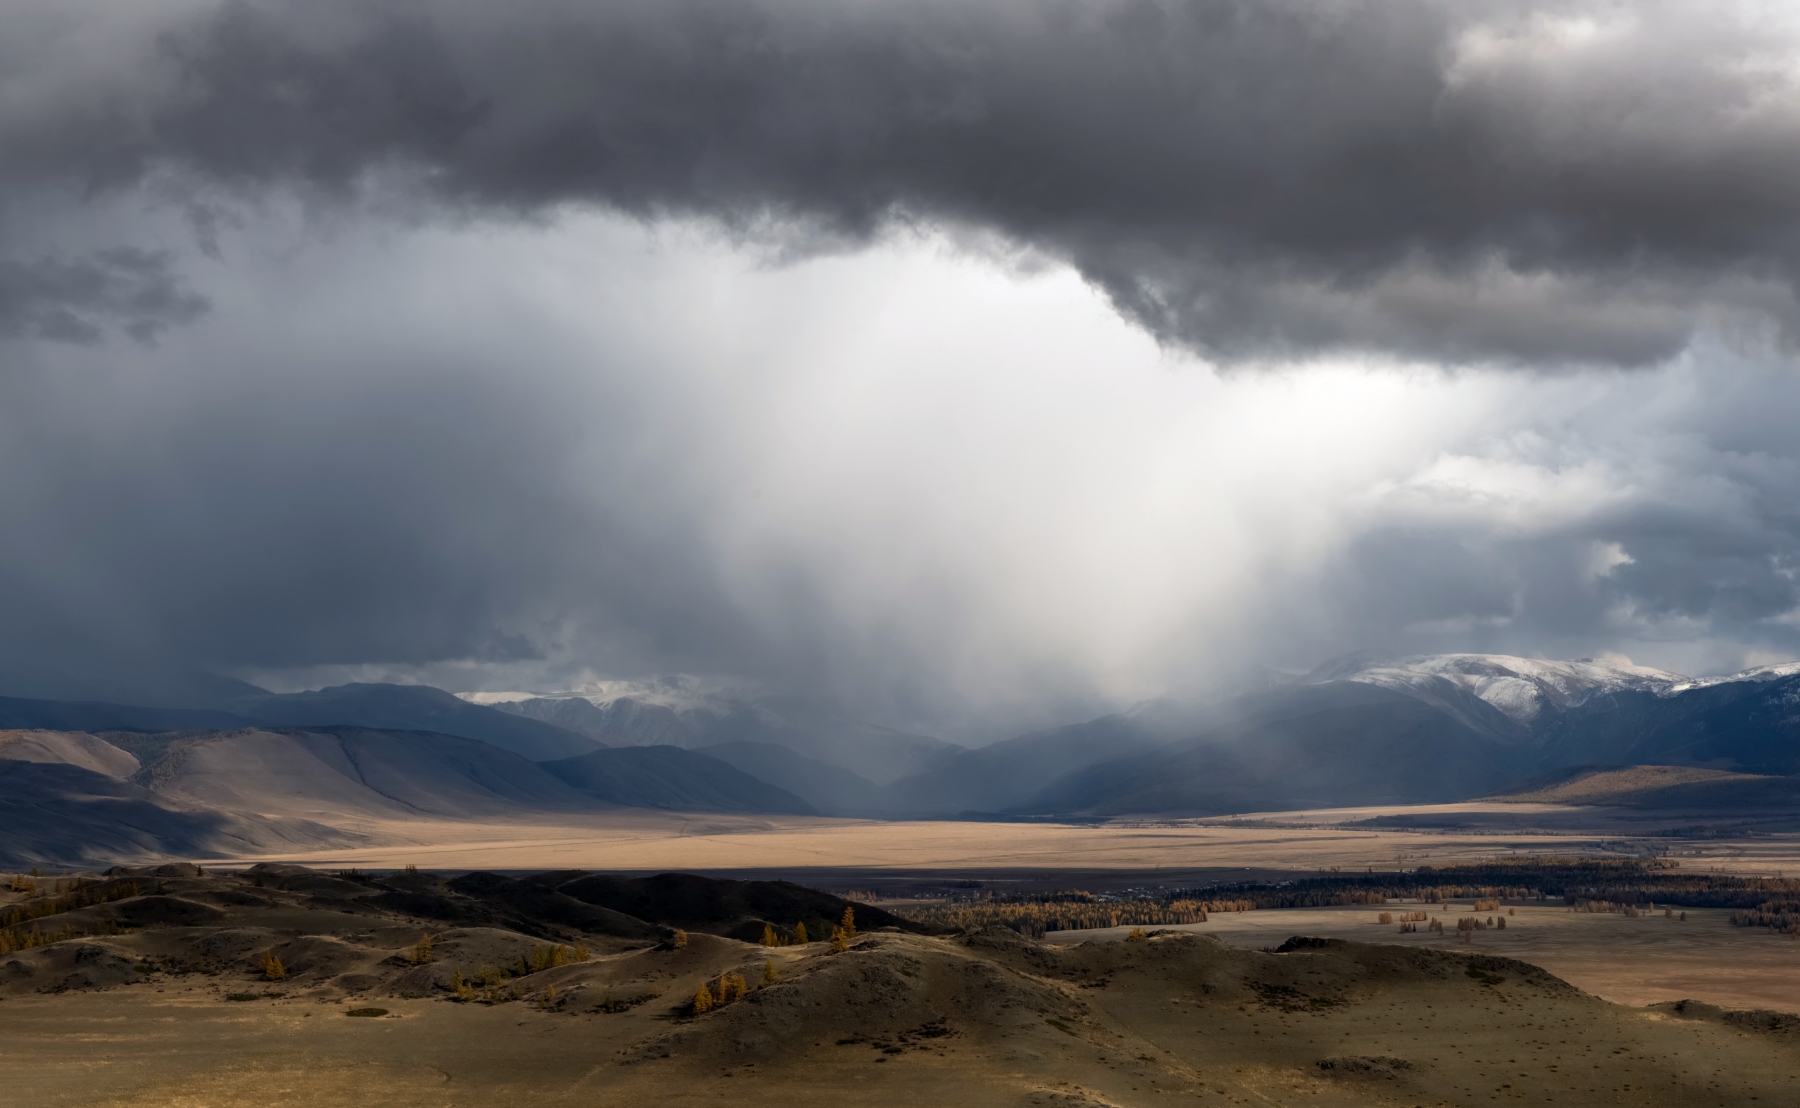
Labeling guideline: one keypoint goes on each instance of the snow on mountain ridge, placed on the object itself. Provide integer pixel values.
(1758, 673)
(1521, 688)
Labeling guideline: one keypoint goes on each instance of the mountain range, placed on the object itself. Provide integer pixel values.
(252, 770)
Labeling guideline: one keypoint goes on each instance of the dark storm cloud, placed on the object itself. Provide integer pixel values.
(405, 430)
(77, 300)
(1537, 183)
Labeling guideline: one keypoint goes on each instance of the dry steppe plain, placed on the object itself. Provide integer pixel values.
(1381, 838)
(176, 1011)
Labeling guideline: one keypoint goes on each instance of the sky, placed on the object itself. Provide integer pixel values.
(969, 367)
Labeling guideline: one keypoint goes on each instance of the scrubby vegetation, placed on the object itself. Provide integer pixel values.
(63, 896)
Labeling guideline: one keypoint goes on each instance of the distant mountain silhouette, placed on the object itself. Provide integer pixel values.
(60, 715)
(1448, 727)
(1319, 746)
(382, 707)
(876, 754)
(670, 777)
(831, 789)
(267, 768)
(415, 708)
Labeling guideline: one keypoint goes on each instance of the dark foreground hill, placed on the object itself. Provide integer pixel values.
(281, 985)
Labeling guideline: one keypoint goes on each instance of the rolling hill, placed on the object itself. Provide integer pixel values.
(69, 797)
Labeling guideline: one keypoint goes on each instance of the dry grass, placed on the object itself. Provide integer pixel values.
(1636, 961)
(904, 1020)
(1612, 785)
(658, 842)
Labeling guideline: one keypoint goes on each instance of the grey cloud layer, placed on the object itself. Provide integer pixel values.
(1534, 183)
(388, 438)
(77, 300)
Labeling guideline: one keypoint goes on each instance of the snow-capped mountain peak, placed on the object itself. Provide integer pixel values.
(1520, 688)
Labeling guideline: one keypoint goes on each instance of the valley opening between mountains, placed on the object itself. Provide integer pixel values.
(1444, 880)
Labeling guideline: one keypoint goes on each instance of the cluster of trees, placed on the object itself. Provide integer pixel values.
(1036, 917)
(16, 939)
(1629, 911)
(1635, 881)
(732, 986)
(64, 897)
(549, 957)
(1781, 915)
(1408, 917)
(495, 982)
(798, 935)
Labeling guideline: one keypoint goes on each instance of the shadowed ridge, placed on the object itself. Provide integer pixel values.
(738, 909)
(670, 777)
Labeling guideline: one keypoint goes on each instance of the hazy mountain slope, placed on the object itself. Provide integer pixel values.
(60, 715)
(56, 812)
(1752, 726)
(669, 777)
(582, 716)
(71, 748)
(63, 814)
(831, 789)
(29, 671)
(1002, 775)
(877, 754)
(415, 708)
(1324, 745)
(351, 771)
(125, 794)
(330, 773)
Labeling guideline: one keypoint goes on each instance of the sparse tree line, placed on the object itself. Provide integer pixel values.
(61, 895)
(733, 986)
(1405, 918)
(840, 937)
(1037, 918)
(1628, 910)
(1640, 884)
(496, 984)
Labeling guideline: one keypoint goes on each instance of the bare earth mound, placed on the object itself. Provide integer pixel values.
(180, 1005)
